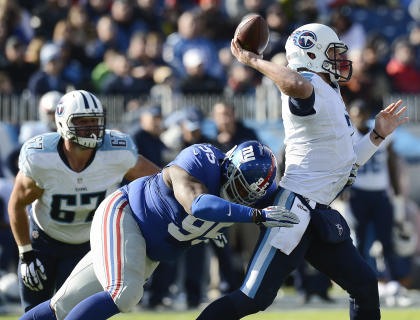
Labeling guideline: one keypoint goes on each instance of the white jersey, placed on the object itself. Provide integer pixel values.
(374, 174)
(66, 207)
(319, 147)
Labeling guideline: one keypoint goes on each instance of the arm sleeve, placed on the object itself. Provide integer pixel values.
(364, 149)
(213, 208)
(302, 107)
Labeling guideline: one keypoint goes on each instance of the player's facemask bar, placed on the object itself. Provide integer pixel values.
(337, 64)
(88, 136)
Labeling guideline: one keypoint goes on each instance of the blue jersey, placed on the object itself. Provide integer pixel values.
(166, 226)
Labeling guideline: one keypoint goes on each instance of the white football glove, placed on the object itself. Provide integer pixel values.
(353, 174)
(275, 216)
(32, 271)
(220, 240)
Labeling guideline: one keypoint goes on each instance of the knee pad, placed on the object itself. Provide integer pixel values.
(127, 297)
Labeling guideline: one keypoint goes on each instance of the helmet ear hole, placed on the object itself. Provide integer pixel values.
(311, 55)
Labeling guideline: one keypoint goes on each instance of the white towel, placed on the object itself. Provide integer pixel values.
(287, 239)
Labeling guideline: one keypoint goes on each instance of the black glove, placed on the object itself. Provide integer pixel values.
(274, 216)
(32, 270)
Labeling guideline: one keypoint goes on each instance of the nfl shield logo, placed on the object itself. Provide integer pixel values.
(340, 229)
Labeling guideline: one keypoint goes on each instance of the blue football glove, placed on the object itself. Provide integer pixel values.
(274, 216)
(32, 271)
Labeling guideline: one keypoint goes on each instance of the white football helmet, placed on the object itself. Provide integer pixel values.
(80, 104)
(316, 47)
(46, 108)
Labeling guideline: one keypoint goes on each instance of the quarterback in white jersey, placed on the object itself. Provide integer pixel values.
(320, 161)
(63, 177)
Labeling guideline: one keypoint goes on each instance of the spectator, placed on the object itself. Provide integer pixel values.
(33, 50)
(369, 81)
(350, 32)
(215, 24)
(103, 71)
(18, 70)
(147, 138)
(241, 80)
(50, 76)
(404, 74)
(46, 15)
(122, 12)
(198, 81)
(230, 131)
(6, 86)
(150, 12)
(143, 65)
(16, 19)
(188, 37)
(122, 82)
(279, 26)
(98, 8)
(108, 38)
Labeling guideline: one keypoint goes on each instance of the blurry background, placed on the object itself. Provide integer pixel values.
(164, 72)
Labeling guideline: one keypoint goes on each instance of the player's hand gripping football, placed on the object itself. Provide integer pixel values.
(275, 216)
(241, 54)
(32, 271)
(389, 119)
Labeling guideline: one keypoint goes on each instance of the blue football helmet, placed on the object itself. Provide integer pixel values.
(249, 170)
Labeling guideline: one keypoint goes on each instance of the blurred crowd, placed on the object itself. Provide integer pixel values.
(140, 47)
(129, 46)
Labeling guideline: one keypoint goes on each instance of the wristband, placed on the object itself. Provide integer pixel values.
(377, 135)
(25, 248)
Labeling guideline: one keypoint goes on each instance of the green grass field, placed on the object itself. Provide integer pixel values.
(308, 314)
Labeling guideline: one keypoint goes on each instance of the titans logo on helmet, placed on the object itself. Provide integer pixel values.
(60, 108)
(304, 39)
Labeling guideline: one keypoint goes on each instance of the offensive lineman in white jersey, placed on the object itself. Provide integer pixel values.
(64, 176)
(320, 161)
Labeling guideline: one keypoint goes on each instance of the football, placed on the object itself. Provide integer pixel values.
(252, 33)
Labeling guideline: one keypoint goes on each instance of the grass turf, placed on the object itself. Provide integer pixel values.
(308, 314)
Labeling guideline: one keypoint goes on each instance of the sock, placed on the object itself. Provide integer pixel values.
(40, 312)
(221, 309)
(98, 306)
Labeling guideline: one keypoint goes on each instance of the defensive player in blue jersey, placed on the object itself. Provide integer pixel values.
(156, 218)
(64, 176)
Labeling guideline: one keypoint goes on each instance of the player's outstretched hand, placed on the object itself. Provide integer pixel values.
(241, 54)
(275, 216)
(389, 118)
(32, 271)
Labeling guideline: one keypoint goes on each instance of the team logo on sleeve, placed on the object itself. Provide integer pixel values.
(304, 39)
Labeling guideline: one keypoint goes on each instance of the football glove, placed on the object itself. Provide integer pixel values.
(32, 271)
(353, 174)
(274, 216)
(220, 240)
